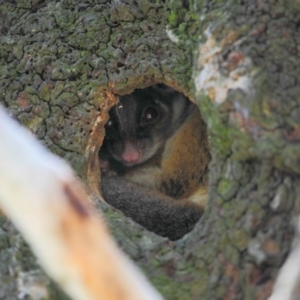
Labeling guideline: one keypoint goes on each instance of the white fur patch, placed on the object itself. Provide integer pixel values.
(145, 176)
(200, 197)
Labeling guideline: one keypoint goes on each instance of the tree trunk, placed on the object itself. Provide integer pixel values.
(61, 61)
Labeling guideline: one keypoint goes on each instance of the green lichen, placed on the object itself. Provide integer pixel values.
(3, 220)
(221, 291)
(4, 241)
(55, 293)
(227, 188)
(220, 134)
(25, 257)
(173, 19)
(166, 286)
(239, 238)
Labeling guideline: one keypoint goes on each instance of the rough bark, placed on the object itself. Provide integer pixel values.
(59, 61)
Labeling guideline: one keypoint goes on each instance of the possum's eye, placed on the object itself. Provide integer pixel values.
(109, 124)
(149, 115)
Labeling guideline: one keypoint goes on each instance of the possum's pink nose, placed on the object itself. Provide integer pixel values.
(131, 154)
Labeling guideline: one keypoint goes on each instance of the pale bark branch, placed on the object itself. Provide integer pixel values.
(40, 194)
(287, 285)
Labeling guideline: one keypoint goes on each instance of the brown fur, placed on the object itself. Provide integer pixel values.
(186, 157)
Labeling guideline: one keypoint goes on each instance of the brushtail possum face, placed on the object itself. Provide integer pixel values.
(154, 159)
(141, 122)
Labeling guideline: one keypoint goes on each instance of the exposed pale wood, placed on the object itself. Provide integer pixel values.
(107, 100)
(287, 285)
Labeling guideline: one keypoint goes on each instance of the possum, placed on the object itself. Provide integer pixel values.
(154, 160)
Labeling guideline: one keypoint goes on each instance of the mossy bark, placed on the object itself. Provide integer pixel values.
(236, 59)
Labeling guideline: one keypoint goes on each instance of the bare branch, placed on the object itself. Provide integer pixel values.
(40, 194)
(288, 281)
